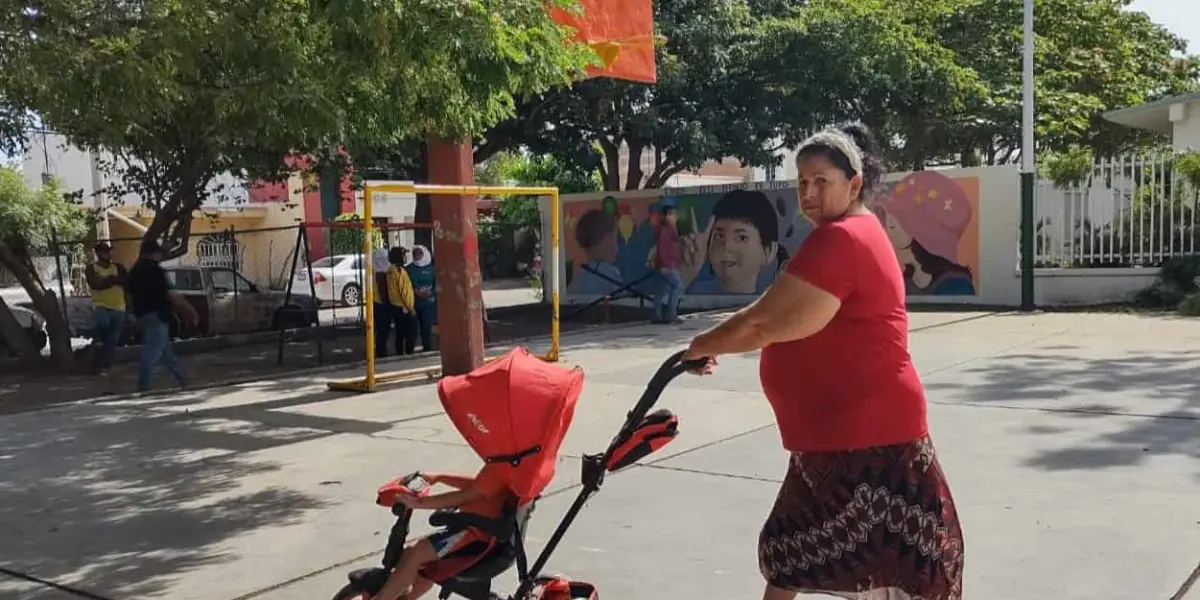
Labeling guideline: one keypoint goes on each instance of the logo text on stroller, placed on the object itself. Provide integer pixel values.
(478, 423)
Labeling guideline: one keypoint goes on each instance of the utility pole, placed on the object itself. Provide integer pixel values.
(1028, 166)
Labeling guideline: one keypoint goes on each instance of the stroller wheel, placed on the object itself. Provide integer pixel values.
(350, 592)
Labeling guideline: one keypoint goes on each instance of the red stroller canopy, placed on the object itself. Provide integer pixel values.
(515, 412)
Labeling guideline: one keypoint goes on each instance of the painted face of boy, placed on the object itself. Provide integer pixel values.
(737, 255)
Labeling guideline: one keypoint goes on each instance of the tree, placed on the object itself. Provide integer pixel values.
(868, 60)
(525, 170)
(1092, 57)
(28, 220)
(745, 78)
(704, 105)
(178, 93)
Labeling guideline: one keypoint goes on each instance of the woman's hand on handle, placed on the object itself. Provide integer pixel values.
(691, 354)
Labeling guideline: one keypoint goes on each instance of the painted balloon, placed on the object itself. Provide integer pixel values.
(625, 224)
(609, 205)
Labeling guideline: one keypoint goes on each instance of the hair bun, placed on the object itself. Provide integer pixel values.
(862, 136)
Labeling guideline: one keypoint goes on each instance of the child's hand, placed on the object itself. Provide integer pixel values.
(411, 501)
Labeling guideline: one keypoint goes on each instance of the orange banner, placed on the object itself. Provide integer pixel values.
(621, 32)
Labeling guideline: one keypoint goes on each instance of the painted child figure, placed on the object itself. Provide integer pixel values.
(485, 495)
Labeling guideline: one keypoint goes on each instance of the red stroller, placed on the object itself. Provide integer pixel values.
(516, 411)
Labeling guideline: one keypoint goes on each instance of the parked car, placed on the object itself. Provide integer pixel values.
(225, 300)
(228, 302)
(31, 322)
(336, 279)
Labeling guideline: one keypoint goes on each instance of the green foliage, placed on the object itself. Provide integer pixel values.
(877, 61)
(1187, 166)
(706, 104)
(1177, 286)
(1190, 306)
(349, 240)
(1069, 169)
(1091, 57)
(513, 169)
(29, 218)
(1158, 296)
(179, 92)
(1181, 273)
(940, 80)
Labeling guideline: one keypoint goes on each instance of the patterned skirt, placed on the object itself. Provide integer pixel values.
(870, 524)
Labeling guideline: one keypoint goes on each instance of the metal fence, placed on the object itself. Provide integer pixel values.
(1132, 211)
(238, 278)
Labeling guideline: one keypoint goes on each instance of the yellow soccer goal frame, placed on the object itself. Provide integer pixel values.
(372, 379)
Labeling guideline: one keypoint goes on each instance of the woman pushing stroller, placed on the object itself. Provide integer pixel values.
(484, 495)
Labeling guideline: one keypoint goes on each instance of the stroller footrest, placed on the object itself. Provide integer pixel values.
(562, 588)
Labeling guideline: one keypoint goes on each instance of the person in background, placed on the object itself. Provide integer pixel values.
(403, 302)
(666, 261)
(420, 272)
(107, 280)
(383, 308)
(154, 305)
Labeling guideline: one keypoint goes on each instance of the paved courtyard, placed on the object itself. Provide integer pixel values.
(1071, 442)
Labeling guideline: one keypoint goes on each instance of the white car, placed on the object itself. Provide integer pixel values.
(336, 279)
(31, 322)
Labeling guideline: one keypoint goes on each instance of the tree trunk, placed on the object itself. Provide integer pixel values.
(968, 157)
(612, 165)
(46, 304)
(633, 172)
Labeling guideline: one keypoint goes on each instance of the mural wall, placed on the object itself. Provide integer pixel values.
(736, 239)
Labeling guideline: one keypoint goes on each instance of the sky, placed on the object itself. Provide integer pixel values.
(1180, 16)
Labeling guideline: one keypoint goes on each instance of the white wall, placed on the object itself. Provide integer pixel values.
(999, 226)
(998, 265)
(396, 208)
(1065, 287)
(1186, 122)
(72, 167)
(999, 221)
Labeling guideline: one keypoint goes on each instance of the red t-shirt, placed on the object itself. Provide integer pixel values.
(851, 385)
(667, 244)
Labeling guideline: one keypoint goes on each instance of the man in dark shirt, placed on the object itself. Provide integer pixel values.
(153, 301)
(666, 262)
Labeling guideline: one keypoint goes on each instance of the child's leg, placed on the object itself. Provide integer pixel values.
(420, 588)
(417, 555)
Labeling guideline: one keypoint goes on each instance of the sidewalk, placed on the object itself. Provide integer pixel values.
(1069, 440)
(217, 365)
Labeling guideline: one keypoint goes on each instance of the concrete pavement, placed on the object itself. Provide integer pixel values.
(1070, 441)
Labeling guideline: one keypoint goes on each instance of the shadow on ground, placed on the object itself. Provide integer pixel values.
(144, 498)
(1154, 394)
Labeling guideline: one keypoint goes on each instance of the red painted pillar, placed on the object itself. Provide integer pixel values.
(456, 259)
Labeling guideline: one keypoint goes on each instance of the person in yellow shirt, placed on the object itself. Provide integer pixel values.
(106, 279)
(403, 302)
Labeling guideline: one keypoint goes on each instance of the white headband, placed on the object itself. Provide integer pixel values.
(832, 138)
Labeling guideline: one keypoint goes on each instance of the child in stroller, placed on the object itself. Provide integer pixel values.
(514, 413)
(484, 495)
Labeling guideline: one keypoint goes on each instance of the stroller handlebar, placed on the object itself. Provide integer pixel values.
(671, 368)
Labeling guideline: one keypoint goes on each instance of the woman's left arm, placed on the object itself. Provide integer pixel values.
(790, 309)
(801, 302)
